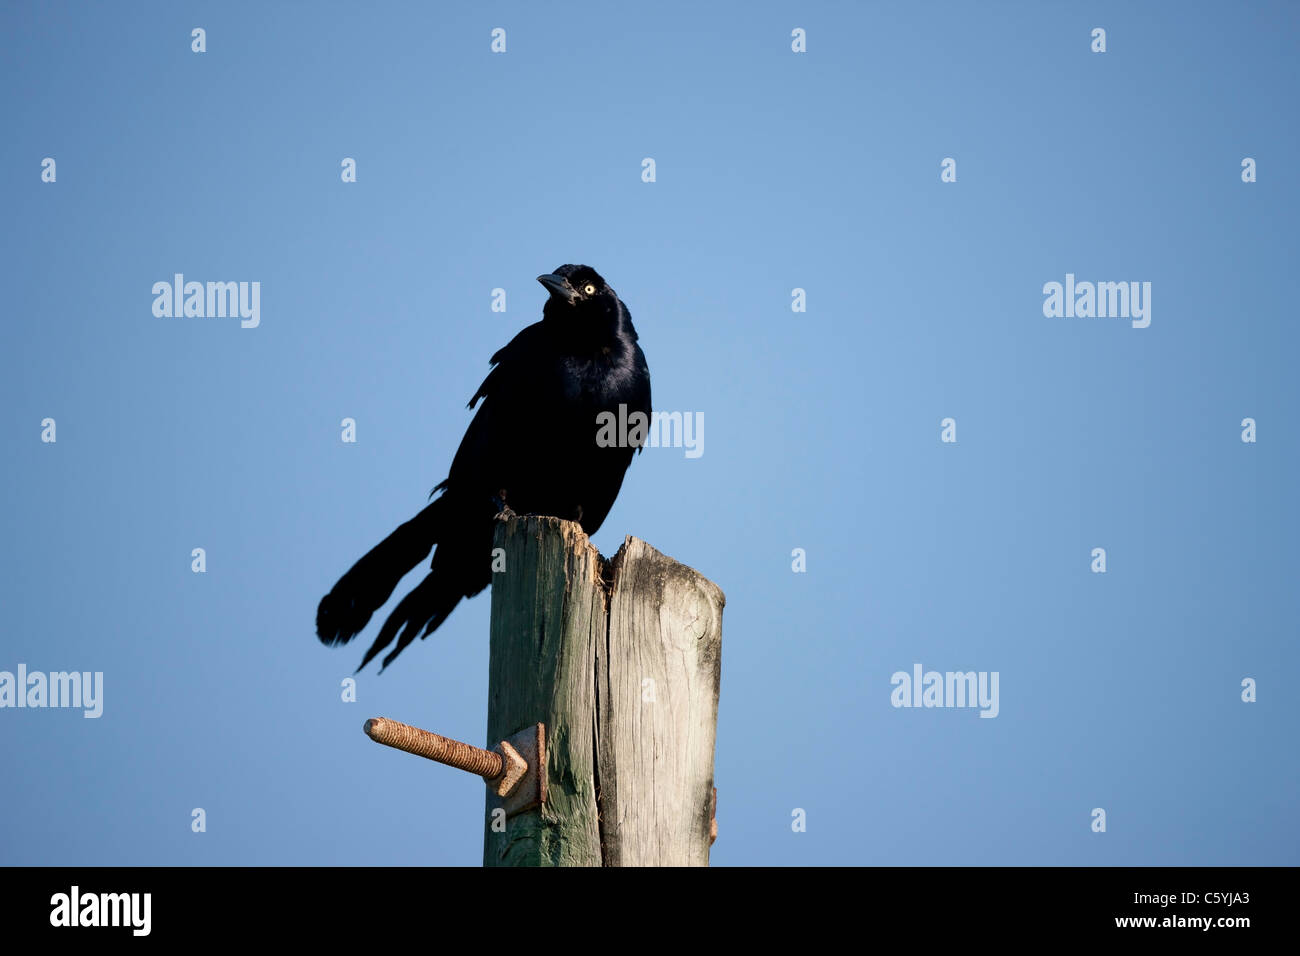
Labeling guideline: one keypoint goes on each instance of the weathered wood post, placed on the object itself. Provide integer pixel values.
(620, 660)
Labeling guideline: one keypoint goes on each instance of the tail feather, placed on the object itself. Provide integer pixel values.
(345, 611)
(427, 606)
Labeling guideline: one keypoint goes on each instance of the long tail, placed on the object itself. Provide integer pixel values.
(344, 612)
(419, 613)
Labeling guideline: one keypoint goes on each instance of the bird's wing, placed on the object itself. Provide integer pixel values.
(507, 387)
(505, 361)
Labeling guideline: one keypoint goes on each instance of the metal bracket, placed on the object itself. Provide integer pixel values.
(528, 789)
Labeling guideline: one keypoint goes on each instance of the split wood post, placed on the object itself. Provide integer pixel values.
(620, 659)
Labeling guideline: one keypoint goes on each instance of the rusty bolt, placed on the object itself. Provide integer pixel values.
(502, 768)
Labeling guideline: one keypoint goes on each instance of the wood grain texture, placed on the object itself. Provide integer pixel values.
(660, 671)
(548, 607)
(621, 661)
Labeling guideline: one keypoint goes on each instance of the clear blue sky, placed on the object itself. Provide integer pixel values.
(775, 170)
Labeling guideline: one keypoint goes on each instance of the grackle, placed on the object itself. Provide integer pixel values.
(531, 448)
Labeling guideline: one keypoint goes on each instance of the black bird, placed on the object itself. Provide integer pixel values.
(531, 448)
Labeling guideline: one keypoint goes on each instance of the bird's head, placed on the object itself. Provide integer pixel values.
(580, 298)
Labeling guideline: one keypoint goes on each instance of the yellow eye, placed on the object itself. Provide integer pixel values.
(589, 289)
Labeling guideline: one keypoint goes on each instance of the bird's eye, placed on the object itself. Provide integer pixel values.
(589, 289)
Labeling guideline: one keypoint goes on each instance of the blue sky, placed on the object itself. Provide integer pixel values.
(774, 171)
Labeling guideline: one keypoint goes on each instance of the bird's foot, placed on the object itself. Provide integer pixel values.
(503, 509)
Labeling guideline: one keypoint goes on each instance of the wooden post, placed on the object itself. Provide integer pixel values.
(620, 660)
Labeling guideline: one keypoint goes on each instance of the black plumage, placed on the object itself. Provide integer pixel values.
(531, 447)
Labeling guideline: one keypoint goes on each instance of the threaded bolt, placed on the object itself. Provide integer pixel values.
(423, 743)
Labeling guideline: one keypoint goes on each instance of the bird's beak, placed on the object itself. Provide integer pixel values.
(559, 287)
